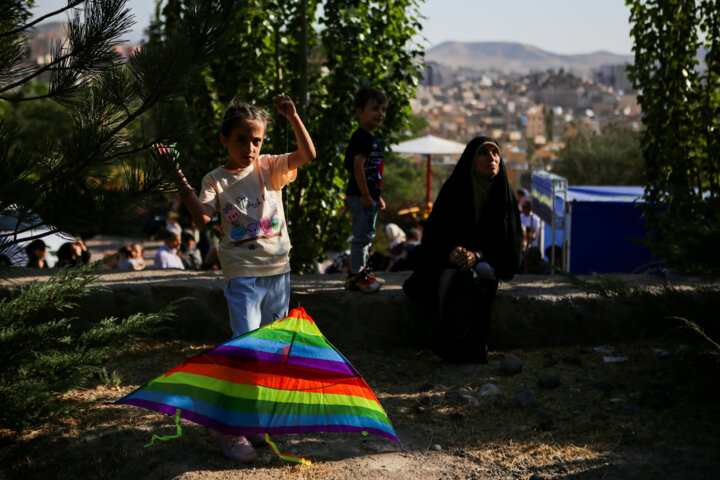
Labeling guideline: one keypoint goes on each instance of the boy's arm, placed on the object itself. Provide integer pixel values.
(202, 213)
(306, 149)
(359, 172)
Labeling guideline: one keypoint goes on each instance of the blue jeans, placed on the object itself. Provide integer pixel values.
(254, 302)
(363, 232)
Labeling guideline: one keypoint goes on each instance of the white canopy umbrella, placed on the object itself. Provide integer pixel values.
(429, 145)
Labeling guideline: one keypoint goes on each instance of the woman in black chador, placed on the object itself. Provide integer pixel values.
(471, 239)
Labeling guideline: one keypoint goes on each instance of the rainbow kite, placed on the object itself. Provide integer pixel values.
(282, 378)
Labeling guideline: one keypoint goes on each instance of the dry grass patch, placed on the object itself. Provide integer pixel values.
(621, 420)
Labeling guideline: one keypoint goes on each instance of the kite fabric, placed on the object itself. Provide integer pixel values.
(282, 378)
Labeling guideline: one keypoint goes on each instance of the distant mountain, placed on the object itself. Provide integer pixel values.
(517, 57)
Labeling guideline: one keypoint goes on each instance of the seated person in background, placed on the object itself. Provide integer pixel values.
(529, 220)
(522, 195)
(111, 259)
(558, 255)
(340, 263)
(396, 239)
(378, 261)
(530, 238)
(411, 252)
(173, 223)
(131, 257)
(167, 255)
(533, 262)
(189, 252)
(36, 252)
(212, 260)
(73, 254)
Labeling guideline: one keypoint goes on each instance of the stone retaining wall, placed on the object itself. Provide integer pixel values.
(530, 310)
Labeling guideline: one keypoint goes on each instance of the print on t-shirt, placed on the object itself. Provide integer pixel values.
(245, 227)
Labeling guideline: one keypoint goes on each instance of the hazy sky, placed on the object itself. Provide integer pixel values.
(558, 26)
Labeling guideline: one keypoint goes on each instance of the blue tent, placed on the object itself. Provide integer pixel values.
(605, 230)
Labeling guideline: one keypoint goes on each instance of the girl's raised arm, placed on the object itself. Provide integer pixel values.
(306, 149)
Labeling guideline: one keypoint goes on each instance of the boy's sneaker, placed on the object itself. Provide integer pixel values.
(363, 281)
(234, 448)
(372, 277)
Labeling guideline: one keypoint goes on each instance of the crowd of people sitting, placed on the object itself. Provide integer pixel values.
(184, 246)
(402, 254)
(69, 254)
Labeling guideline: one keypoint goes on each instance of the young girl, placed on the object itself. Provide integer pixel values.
(247, 191)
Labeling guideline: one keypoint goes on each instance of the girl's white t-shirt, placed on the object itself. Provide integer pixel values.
(255, 240)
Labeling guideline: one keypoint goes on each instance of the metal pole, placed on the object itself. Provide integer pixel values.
(552, 230)
(566, 232)
(429, 180)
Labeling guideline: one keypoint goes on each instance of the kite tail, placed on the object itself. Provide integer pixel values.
(290, 458)
(168, 437)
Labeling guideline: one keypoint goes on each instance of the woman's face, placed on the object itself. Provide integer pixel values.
(487, 161)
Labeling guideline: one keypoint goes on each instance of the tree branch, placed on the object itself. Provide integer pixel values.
(22, 28)
(39, 71)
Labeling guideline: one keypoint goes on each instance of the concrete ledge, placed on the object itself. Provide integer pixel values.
(530, 310)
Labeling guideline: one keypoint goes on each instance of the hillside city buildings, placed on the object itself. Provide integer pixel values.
(47, 37)
(527, 113)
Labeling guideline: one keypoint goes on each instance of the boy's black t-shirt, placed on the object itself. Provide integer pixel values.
(365, 143)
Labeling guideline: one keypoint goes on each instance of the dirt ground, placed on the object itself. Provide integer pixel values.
(654, 415)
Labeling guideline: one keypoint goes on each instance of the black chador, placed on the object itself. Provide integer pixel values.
(461, 300)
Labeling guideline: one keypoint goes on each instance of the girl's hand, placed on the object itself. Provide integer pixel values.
(284, 105)
(166, 157)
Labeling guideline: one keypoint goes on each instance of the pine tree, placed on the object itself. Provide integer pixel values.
(92, 176)
(43, 353)
(84, 178)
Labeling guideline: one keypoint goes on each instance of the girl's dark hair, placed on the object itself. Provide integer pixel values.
(237, 111)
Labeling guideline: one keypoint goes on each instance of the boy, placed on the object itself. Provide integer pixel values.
(167, 255)
(364, 162)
